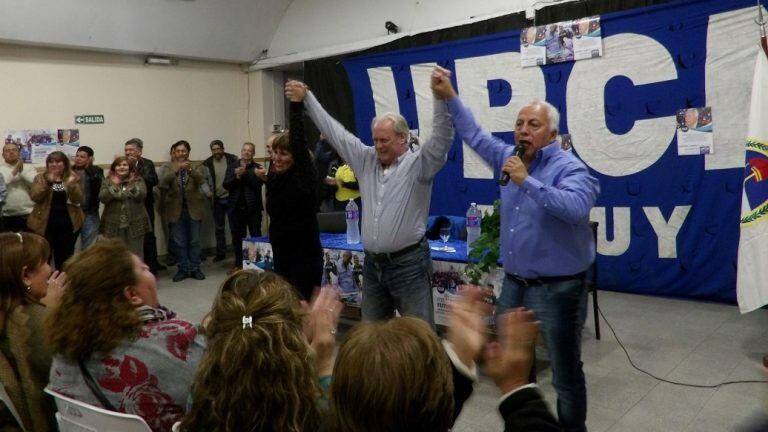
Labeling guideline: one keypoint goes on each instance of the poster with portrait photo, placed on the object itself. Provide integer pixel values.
(587, 41)
(533, 51)
(566, 143)
(694, 131)
(68, 141)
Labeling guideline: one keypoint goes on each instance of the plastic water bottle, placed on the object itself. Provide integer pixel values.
(473, 224)
(353, 223)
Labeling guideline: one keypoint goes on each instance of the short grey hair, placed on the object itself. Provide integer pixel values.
(553, 115)
(398, 123)
(135, 142)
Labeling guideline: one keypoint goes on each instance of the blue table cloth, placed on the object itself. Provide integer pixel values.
(339, 241)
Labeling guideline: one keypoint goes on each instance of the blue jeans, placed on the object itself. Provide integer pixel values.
(562, 308)
(403, 283)
(221, 212)
(186, 239)
(89, 231)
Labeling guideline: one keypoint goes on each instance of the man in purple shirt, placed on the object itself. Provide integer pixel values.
(546, 241)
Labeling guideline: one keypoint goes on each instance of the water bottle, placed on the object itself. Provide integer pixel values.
(473, 224)
(353, 223)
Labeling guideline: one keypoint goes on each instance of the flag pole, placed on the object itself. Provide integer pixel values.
(760, 21)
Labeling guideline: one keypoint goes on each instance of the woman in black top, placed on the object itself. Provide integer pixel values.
(57, 214)
(291, 198)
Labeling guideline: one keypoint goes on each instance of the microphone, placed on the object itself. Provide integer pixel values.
(519, 151)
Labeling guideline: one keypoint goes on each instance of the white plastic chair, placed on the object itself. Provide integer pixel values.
(76, 416)
(9, 403)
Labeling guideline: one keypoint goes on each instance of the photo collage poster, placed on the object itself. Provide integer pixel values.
(36, 144)
(694, 131)
(448, 278)
(561, 42)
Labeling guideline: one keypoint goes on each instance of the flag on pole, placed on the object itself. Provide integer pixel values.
(752, 274)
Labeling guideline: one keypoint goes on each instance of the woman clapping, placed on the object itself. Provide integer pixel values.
(125, 216)
(57, 214)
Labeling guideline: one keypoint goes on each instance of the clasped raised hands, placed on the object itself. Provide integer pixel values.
(296, 91)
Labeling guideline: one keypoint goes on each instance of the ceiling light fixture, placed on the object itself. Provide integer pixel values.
(160, 61)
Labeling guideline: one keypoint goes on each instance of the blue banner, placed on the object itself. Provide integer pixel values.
(669, 224)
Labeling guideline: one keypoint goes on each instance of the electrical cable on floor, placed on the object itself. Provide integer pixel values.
(666, 380)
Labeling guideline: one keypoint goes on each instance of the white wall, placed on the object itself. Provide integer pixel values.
(196, 101)
(227, 30)
(313, 29)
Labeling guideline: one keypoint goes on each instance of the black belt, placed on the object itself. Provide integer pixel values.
(388, 256)
(543, 280)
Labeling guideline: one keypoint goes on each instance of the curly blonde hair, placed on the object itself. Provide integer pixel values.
(94, 315)
(255, 379)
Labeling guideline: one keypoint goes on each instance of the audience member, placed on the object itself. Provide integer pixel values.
(57, 214)
(244, 185)
(125, 216)
(3, 194)
(184, 210)
(27, 286)
(396, 376)
(18, 182)
(114, 346)
(291, 205)
(396, 190)
(327, 161)
(162, 171)
(347, 188)
(545, 208)
(134, 148)
(268, 362)
(218, 165)
(90, 178)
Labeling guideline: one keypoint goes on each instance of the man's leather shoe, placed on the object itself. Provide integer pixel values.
(180, 276)
(197, 274)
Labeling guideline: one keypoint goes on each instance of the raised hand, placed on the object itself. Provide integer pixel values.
(320, 328)
(295, 91)
(466, 327)
(440, 83)
(56, 284)
(509, 361)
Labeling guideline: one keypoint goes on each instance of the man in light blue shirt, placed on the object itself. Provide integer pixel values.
(546, 241)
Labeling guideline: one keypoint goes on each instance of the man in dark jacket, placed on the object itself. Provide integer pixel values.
(134, 148)
(218, 164)
(244, 181)
(90, 178)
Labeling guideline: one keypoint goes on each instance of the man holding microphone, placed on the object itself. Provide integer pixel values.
(546, 242)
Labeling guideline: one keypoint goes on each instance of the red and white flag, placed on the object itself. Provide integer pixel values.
(752, 274)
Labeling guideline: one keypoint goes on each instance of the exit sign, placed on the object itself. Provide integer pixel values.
(89, 119)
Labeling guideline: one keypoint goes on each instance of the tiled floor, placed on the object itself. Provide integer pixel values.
(693, 342)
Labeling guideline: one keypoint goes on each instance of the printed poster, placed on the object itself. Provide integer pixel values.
(587, 40)
(34, 144)
(561, 42)
(448, 278)
(694, 131)
(68, 141)
(533, 50)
